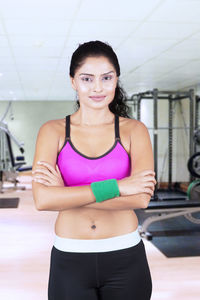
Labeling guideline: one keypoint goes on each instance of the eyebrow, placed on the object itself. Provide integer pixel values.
(93, 74)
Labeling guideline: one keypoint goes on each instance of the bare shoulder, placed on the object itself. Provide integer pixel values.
(133, 126)
(54, 126)
(47, 142)
(49, 134)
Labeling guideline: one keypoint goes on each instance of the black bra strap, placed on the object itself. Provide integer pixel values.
(117, 137)
(67, 127)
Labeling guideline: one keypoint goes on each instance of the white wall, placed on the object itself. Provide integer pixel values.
(28, 117)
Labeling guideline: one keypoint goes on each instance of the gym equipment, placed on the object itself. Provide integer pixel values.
(169, 209)
(173, 98)
(197, 124)
(173, 201)
(194, 164)
(9, 165)
(9, 202)
(193, 190)
(197, 136)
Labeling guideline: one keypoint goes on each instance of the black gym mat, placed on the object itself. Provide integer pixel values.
(177, 237)
(9, 202)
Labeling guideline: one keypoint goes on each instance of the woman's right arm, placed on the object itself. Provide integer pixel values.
(55, 198)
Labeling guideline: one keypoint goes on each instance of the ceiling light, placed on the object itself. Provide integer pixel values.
(38, 44)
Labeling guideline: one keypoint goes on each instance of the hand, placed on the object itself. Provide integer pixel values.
(47, 175)
(141, 182)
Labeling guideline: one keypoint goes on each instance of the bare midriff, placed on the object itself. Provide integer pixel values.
(88, 223)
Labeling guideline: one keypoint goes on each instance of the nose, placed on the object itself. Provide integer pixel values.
(97, 85)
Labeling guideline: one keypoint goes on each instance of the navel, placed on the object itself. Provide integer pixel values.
(93, 226)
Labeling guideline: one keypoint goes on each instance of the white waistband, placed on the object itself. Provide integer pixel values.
(98, 245)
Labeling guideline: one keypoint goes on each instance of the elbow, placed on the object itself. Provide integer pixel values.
(39, 206)
(145, 200)
(38, 197)
(38, 203)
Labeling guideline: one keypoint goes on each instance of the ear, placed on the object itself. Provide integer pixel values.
(117, 81)
(73, 83)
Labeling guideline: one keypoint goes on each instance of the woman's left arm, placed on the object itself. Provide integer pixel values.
(136, 201)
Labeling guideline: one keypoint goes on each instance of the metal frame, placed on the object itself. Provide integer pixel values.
(167, 213)
(197, 117)
(171, 96)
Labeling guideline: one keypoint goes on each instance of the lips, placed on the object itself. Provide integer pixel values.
(97, 98)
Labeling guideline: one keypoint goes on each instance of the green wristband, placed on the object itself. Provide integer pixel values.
(105, 189)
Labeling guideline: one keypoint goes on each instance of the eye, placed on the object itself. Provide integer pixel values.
(87, 79)
(106, 78)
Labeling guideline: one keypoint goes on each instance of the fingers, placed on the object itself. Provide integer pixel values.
(58, 170)
(47, 175)
(43, 182)
(45, 168)
(42, 174)
(149, 191)
(46, 164)
(150, 178)
(41, 177)
(40, 180)
(43, 171)
(49, 167)
(145, 173)
(151, 185)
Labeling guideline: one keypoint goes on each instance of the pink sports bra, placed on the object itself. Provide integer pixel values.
(78, 169)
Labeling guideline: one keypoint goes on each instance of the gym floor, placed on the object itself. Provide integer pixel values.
(26, 240)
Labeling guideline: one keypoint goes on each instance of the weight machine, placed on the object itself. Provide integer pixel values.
(10, 166)
(173, 201)
(194, 161)
(172, 97)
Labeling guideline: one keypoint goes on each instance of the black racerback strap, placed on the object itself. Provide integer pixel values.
(117, 137)
(67, 128)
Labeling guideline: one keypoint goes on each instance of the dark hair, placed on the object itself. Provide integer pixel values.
(96, 49)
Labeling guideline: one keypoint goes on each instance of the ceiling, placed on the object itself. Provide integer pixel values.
(157, 43)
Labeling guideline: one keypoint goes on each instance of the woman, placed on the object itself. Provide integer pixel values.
(98, 252)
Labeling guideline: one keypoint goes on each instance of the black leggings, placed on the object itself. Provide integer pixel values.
(120, 275)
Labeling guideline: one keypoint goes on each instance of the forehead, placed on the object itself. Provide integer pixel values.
(97, 65)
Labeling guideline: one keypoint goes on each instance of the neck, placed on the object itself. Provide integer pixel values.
(97, 118)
